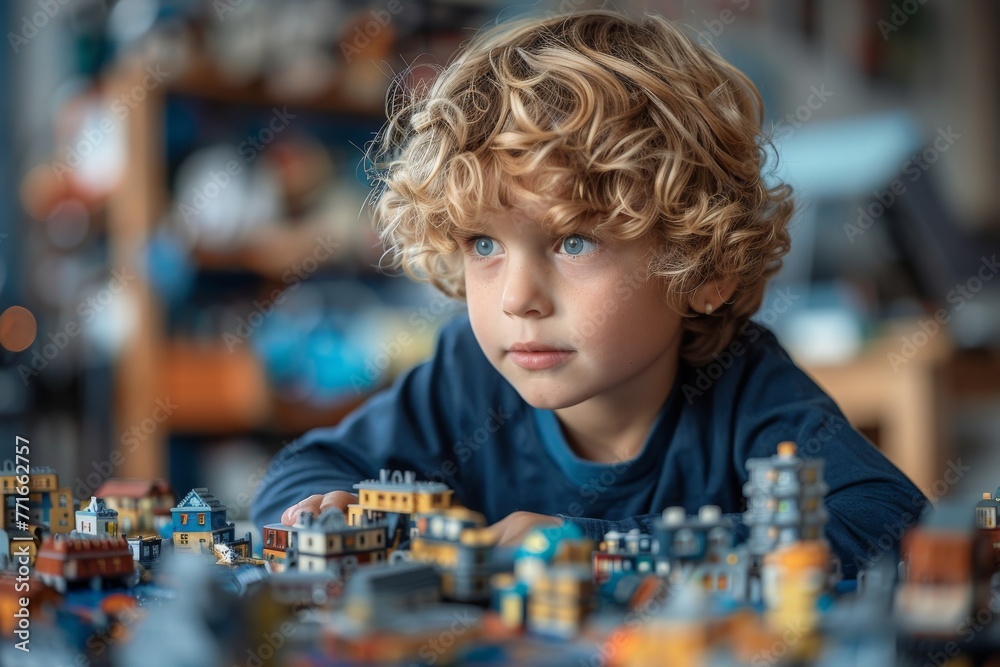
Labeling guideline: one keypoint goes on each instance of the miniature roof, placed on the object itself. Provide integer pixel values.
(10, 469)
(402, 481)
(75, 542)
(98, 508)
(199, 498)
(133, 488)
(392, 580)
(12, 533)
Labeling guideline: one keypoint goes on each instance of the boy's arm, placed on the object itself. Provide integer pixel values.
(869, 502)
(405, 427)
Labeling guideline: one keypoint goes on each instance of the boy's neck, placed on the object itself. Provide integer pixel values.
(614, 426)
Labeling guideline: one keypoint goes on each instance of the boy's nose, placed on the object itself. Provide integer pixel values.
(525, 292)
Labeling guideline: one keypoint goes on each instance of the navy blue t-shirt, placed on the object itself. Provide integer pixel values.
(455, 419)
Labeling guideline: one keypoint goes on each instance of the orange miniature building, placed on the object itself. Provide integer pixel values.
(947, 575)
(65, 560)
(11, 591)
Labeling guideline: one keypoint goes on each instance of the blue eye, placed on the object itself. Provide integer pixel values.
(484, 246)
(578, 245)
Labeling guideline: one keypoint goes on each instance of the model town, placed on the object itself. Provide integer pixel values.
(407, 577)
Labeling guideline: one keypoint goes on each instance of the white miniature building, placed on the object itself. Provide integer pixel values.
(97, 519)
(327, 542)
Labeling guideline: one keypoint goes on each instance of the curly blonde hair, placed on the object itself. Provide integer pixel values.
(630, 128)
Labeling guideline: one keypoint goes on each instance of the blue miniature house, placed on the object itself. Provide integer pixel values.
(199, 522)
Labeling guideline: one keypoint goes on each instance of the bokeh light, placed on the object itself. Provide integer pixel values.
(17, 329)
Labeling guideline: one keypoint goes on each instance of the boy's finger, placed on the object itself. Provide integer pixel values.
(338, 499)
(310, 504)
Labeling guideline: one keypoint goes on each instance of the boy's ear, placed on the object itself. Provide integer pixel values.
(714, 294)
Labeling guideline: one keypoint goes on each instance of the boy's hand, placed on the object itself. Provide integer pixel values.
(317, 503)
(513, 528)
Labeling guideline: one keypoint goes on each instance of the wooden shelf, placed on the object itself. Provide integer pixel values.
(201, 78)
(270, 251)
(216, 391)
(219, 392)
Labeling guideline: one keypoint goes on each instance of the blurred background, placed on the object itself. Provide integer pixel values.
(188, 276)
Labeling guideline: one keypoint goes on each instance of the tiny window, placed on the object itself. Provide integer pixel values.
(201, 518)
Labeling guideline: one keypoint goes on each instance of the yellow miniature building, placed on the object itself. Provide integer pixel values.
(48, 503)
(439, 533)
(560, 600)
(793, 579)
(401, 493)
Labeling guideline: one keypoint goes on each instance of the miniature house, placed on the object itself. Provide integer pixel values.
(145, 550)
(278, 545)
(704, 543)
(97, 519)
(49, 504)
(199, 522)
(327, 542)
(143, 506)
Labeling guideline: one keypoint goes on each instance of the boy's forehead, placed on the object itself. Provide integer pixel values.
(527, 201)
(524, 215)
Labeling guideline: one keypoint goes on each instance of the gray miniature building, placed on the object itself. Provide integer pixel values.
(145, 550)
(700, 547)
(987, 510)
(784, 500)
(328, 542)
(388, 589)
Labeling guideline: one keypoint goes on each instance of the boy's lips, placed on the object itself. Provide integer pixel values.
(537, 356)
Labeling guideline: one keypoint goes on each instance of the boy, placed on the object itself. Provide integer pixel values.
(592, 186)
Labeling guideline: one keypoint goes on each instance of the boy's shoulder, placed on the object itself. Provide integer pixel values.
(754, 364)
(754, 344)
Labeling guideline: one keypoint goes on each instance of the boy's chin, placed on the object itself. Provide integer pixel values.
(548, 400)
